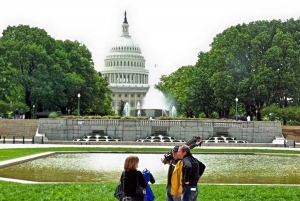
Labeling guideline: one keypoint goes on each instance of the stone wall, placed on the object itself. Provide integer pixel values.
(131, 130)
(18, 128)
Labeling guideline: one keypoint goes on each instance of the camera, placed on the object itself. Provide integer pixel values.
(194, 142)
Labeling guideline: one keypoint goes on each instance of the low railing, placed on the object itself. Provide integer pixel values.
(179, 123)
(15, 140)
(290, 143)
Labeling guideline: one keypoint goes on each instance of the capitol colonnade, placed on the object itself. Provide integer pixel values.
(124, 68)
(128, 78)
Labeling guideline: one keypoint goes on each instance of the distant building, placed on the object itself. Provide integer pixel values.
(125, 71)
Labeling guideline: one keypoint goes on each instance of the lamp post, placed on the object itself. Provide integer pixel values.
(236, 101)
(256, 115)
(78, 105)
(33, 111)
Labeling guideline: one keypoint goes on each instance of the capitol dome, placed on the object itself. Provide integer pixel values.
(125, 70)
(125, 43)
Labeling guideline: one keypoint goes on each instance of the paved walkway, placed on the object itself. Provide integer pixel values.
(7, 146)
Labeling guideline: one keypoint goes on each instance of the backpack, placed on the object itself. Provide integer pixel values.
(149, 194)
(198, 167)
(201, 168)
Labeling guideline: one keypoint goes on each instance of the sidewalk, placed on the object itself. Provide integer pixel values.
(15, 146)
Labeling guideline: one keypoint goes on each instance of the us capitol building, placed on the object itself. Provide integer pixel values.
(125, 71)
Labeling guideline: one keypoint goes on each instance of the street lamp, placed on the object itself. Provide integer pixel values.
(256, 115)
(236, 101)
(33, 111)
(78, 105)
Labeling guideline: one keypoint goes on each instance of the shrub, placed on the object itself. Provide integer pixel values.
(214, 115)
(165, 118)
(265, 118)
(202, 115)
(53, 115)
(292, 123)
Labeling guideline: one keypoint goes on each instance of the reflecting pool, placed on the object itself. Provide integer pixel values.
(102, 167)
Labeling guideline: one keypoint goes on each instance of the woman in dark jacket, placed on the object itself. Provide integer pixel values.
(132, 178)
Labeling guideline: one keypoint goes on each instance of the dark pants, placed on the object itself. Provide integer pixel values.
(190, 193)
(171, 197)
(127, 198)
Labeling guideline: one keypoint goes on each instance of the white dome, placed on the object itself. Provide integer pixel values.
(125, 44)
(125, 70)
(125, 64)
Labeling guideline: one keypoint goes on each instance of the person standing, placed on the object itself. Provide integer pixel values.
(16, 114)
(131, 178)
(149, 178)
(174, 180)
(192, 170)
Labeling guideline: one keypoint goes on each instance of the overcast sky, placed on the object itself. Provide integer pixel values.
(170, 33)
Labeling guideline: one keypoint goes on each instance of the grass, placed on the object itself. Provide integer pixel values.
(11, 191)
(104, 192)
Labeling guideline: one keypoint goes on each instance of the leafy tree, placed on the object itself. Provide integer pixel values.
(186, 91)
(48, 73)
(258, 63)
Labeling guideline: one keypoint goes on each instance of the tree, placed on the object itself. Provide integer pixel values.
(258, 63)
(41, 71)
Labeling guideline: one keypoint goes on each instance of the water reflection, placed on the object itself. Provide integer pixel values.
(102, 167)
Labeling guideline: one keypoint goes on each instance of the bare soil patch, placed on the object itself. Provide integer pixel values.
(291, 132)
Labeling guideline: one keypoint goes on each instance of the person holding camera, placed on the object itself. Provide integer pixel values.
(174, 180)
(192, 170)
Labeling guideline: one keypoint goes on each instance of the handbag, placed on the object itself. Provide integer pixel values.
(139, 191)
(119, 191)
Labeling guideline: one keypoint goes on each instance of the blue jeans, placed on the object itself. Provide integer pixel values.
(189, 193)
(171, 197)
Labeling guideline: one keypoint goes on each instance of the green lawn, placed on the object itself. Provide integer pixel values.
(10, 191)
(104, 192)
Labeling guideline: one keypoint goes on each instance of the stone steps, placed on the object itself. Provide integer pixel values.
(18, 128)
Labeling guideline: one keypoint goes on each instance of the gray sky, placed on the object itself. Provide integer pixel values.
(170, 33)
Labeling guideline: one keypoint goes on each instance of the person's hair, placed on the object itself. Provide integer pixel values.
(131, 163)
(185, 148)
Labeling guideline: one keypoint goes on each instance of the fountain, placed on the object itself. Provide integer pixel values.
(126, 110)
(155, 99)
(173, 112)
(138, 105)
(154, 105)
(164, 113)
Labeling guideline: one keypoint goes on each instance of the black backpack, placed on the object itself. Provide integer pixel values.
(198, 167)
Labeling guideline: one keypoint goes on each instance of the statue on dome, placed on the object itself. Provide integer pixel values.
(125, 19)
